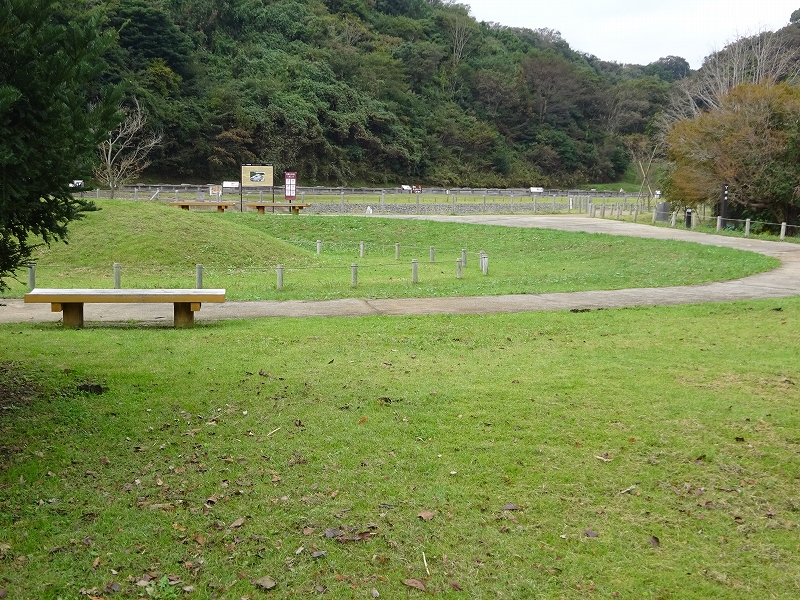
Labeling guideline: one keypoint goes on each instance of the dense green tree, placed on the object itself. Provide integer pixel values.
(669, 68)
(52, 117)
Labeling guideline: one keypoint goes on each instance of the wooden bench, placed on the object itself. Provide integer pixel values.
(185, 204)
(260, 206)
(71, 301)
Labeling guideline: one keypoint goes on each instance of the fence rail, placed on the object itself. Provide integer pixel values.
(323, 200)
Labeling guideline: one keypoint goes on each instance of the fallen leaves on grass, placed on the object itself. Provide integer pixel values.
(455, 586)
(654, 541)
(415, 583)
(237, 523)
(510, 506)
(426, 515)
(590, 533)
(265, 583)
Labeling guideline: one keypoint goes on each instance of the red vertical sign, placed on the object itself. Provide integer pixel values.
(290, 191)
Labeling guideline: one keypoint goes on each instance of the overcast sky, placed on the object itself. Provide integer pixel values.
(641, 31)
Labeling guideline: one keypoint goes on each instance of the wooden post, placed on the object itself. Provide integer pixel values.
(783, 231)
(459, 269)
(433, 254)
(361, 249)
(31, 275)
(72, 314)
(719, 223)
(183, 315)
(464, 257)
(198, 277)
(354, 275)
(319, 246)
(747, 228)
(414, 271)
(397, 251)
(280, 278)
(117, 276)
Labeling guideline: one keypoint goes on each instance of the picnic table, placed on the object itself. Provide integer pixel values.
(220, 206)
(261, 206)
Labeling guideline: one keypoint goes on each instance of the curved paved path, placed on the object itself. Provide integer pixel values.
(778, 283)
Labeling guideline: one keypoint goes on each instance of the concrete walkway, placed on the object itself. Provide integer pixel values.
(778, 283)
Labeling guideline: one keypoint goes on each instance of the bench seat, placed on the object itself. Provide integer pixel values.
(260, 206)
(185, 204)
(70, 301)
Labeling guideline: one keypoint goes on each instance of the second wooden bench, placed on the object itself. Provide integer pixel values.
(260, 206)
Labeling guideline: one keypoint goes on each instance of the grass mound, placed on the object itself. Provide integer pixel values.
(154, 235)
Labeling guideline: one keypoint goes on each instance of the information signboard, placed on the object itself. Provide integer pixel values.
(290, 190)
(256, 175)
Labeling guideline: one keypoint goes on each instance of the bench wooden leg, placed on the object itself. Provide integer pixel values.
(220, 209)
(73, 314)
(260, 210)
(184, 315)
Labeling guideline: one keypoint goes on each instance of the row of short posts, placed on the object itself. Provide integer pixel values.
(461, 263)
(747, 227)
(198, 276)
(618, 207)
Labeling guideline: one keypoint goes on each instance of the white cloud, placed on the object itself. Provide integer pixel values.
(632, 31)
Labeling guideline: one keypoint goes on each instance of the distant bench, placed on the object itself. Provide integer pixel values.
(185, 204)
(71, 301)
(260, 206)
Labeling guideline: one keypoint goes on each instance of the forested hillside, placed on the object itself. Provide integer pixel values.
(375, 92)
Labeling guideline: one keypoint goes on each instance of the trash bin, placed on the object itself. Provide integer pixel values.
(688, 218)
(662, 212)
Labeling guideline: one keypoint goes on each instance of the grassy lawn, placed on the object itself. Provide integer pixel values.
(159, 245)
(638, 453)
